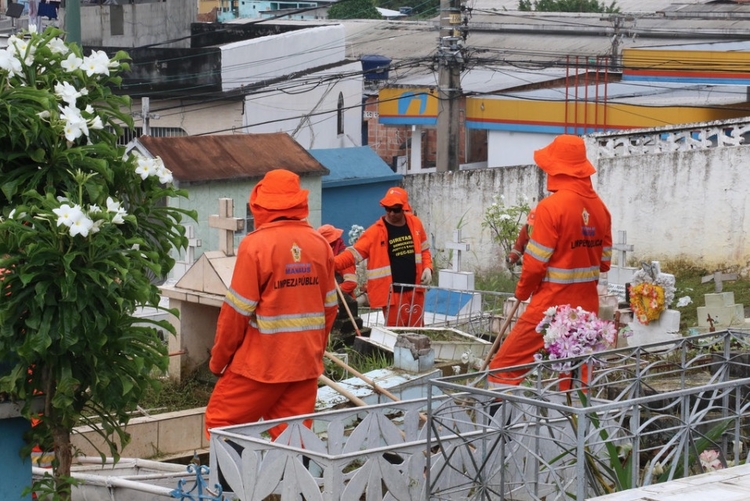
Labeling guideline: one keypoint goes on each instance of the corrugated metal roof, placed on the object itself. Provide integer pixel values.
(509, 37)
(625, 6)
(493, 79)
(237, 156)
(643, 94)
(358, 165)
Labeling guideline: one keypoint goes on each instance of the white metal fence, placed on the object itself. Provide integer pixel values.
(646, 415)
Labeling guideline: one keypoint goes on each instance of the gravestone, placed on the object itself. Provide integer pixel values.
(181, 267)
(199, 294)
(720, 311)
(665, 328)
(454, 278)
(227, 225)
(449, 302)
(620, 275)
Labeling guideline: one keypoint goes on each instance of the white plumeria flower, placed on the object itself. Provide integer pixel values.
(57, 46)
(9, 63)
(164, 174)
(97, 225)
(43, 114)
(18, 44)
(32, 29)
(96, 123)
(81, 225)
(67, 214)
(145, 167)
(96, 64)
(94, 209)
(113, 206)
(71, 63)
(67, 93)
(75, 124)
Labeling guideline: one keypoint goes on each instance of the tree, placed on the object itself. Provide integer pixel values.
(568, 6)
(353, 9)
(83, 229)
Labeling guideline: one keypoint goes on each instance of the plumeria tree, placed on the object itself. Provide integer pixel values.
(84, 229)
(505, 221)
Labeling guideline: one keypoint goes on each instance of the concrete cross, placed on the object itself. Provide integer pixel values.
(622, 248)
(458, 247)
(718, 278)
(227, 225)
(193, 243)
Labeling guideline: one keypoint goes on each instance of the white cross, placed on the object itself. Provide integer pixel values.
(718, 278)
(622, 247)
(193, 243)
(227, 225)
(458, 246)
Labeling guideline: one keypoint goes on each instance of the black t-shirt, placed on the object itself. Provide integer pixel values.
(401, 254)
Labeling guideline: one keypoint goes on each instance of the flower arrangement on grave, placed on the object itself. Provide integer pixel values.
(571, 332)
(651, 293)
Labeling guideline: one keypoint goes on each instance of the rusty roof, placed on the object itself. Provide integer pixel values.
(231, 156)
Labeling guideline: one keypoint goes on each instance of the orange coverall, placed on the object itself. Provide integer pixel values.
(373, 246)
(570, 245)
(273, 327)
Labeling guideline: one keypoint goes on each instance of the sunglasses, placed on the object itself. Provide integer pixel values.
(395, 210)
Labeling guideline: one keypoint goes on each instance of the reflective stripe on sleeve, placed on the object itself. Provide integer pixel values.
(607, 254)
(357, 256)
(241, 305)
(539, 251)
(350, 277)
(331, 299)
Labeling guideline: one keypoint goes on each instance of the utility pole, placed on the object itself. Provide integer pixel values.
(450, 61)
(73, 21)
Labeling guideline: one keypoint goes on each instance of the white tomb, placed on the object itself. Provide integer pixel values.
(665, 328)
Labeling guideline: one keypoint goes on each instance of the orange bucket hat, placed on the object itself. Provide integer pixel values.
(278, 190)
(396, 196)
(565, 155)
(330, 232)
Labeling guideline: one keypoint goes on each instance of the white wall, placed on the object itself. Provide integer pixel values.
(674, 204)
(270, 57)
(143, 23)
(309, 115)
(514, 148)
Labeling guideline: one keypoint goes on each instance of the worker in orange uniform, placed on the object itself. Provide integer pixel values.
(570, 246)
(274, 323)
(519, 247)
(347, 279)
(397, 252)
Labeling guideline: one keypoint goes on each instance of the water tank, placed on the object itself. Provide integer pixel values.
(375, 67)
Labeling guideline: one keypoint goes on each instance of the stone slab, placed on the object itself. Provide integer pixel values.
(666, 328)
(719, 299)
(723, 316)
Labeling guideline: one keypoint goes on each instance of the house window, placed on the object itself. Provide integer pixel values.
(340, 115)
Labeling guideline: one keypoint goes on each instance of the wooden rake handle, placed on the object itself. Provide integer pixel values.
(500, 335)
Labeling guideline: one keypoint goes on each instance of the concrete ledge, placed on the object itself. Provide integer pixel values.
(154, 436)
